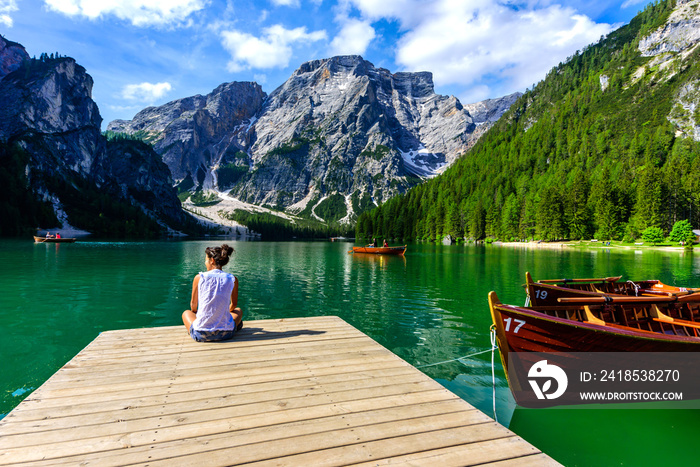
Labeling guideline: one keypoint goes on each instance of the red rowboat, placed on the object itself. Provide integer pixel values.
(53, 240)
(566, 335)
(552, 292)
(390, 250)
(639, 326)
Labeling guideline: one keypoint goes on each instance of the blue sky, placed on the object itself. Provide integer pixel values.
(148, 52)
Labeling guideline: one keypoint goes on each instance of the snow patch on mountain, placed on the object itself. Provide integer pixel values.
(422, 162)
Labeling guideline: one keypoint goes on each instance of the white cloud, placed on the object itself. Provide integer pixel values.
(292, 3)
(475, 94)
(6, 8)
(353, 38)
(138, 12)
(630, 3)
(146, 92)
(272, 50)
(509, 46)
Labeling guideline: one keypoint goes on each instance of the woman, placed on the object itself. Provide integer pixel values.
(214, 313)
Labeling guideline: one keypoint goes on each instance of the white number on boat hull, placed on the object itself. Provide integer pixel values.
(518, 322)
(541, 294)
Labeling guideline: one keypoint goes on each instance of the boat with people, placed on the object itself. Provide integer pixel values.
(54, 239)
(549, 291)
(379, 250)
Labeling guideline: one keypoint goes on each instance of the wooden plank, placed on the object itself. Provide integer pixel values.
(77, 405)
(95, 414)
(477, 453)
(296, 392)
(168, 415)
(131, 369)
(390, 367)
(280, 427)
(282, 364)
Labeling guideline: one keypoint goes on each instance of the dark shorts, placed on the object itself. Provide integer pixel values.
(210, 336)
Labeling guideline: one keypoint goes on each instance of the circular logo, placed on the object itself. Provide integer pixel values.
(542, 374)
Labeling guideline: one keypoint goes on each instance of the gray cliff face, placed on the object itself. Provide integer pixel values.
(490, 110)
(342, 125)
(680, 33)
(136, 172)
(336, 126)
(196, 134)
(48, 110)
(51, 112)
(672, 47)
(11, 56)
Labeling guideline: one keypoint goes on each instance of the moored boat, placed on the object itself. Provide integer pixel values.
(53, 240)
(378, 250)
(529, 336)
(643, 325)
(549, 292)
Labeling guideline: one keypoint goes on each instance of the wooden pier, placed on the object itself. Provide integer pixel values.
(306, 391)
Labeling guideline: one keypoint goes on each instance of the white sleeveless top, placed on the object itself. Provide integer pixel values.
(214, 301)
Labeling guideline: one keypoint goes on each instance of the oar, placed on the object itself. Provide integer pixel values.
(616, 299)
(600, 279)
(693, 297)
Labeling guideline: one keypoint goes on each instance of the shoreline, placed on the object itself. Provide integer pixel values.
(589, 245)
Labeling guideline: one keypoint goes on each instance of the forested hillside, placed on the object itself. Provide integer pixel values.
(601, 148)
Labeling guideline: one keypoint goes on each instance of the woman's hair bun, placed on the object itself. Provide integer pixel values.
(226, 250)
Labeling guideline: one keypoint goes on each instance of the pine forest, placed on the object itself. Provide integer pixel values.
(595, 150)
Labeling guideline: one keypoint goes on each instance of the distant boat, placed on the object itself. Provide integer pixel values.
(380, 250)
(53, 240)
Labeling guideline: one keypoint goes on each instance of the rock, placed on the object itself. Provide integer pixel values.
(12, 55)
(672, 46)
(48, 110)
(196, 134)
(680, 33)
(336, 126)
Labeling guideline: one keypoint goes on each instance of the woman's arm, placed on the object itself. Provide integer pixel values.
(234, 295)
(194, 301)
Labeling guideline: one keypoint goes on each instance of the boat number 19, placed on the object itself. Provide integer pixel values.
(518, 324)
(542, 294)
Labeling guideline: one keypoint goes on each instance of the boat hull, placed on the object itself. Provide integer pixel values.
(392, 250)
(53, 240)
(526, 337)
(548, 293)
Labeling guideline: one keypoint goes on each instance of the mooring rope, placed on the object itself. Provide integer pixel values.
(494, 346)
(455, 359)
(636, 287)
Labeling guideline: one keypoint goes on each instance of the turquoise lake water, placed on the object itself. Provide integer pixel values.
(427, 307)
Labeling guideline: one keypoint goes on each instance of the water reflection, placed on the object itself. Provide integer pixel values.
(427, 307)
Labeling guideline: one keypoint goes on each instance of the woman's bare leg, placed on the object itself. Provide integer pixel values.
(237, 314)
(188, 317)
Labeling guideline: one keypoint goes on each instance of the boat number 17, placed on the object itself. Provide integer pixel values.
(518, 323)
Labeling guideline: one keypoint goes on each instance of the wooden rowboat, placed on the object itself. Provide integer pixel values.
(390, 250)
(552, 292)
(53, 240)
(645, 325)
(564, 332)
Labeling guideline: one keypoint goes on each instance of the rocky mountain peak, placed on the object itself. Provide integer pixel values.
(681, 33)
(672, 48)
(48, 111)
(12, 55)
(338, 129)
